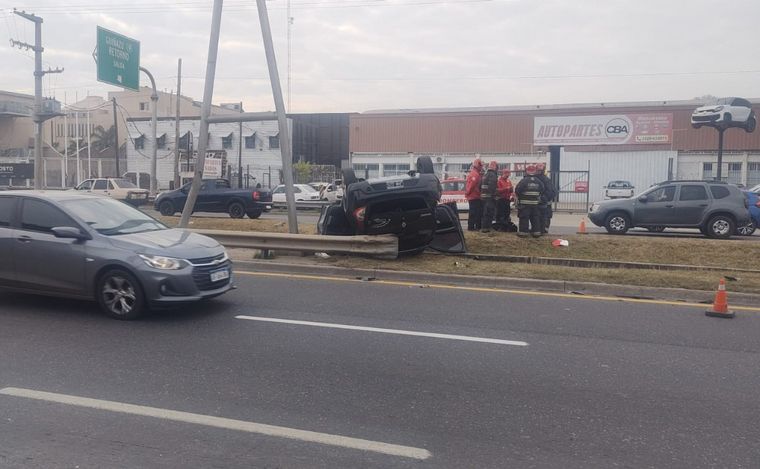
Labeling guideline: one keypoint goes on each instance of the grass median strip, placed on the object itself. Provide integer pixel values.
(724, 254)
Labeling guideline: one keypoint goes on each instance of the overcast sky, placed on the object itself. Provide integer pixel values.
(357, 55)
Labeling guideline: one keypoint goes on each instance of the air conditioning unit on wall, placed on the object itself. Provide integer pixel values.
(439, 159)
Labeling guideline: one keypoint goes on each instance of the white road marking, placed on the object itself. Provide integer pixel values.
(387, 331)
(225, 423)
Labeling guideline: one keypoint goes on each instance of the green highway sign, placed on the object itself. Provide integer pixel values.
(118, 59)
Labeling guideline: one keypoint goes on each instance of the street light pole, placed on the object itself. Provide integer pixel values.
(153, 129)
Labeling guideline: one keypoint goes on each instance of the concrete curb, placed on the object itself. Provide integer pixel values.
(557, 286)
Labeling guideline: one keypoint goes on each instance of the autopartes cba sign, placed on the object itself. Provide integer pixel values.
(615, 129)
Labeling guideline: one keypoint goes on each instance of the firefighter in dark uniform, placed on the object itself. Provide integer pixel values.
(546, 198)
(488, 193)
(529, 191)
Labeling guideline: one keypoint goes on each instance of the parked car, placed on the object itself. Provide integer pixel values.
(328, 192)
(302, 192)
(406, 206)
(116, 188)
(715, 208)
(754, 210)
(69, 244)
(452, 192)
(216, 196)
(725, 112)
(619, 190)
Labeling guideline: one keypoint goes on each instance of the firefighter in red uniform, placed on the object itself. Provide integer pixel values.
(504, 191)
(472, 193)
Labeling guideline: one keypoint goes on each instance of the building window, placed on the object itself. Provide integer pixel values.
(707, 171)
(144, 107)
(227, 141)
(250, 141)
(140, 142)
(161, 142)
(367, 171)
(753, 174)
(395, 169)
(274, 142)
(734, 173)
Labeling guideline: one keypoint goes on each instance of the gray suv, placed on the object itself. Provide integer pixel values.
(64, 243)
(715, 208)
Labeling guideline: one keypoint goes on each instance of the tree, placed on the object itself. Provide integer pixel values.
(302, 172)
(102, 138)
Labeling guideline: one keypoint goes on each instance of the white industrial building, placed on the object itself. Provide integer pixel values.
(258, 146)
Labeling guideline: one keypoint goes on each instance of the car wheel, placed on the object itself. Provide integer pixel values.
(349, 177)
(254, 214)
(750, 125)
(617, 223)
(425, 165)
(236, 210)
(656, 229)
(747, 230)
(720, 226)
(166, 208)
(120, 295)
(727, 118)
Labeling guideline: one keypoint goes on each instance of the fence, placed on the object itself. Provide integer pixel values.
(573, 191)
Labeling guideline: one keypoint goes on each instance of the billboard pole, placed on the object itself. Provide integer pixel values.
(282, 119)
(208, 91)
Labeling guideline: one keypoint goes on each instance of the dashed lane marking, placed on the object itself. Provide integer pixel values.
(225, 423)
(386, 331)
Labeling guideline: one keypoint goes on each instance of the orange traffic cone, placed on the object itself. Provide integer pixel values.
(582, 226)
(720, 305)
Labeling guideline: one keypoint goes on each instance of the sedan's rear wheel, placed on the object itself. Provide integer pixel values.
(720, 226)
(617, 223)
(119, 295)
(751, 124)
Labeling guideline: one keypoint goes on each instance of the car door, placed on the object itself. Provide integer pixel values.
(205, 200)
(692, 203)
(278, 195)
(7, 239)
(42, 261)
(656, 208)
(100, 187)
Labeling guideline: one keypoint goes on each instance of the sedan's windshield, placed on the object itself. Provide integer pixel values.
(111, 217)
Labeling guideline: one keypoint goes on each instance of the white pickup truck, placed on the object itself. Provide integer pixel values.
(619, 190)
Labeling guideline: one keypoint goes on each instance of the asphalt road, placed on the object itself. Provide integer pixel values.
(517, 380)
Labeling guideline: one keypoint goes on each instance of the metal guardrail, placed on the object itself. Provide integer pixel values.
(383, 246)
(302, 205)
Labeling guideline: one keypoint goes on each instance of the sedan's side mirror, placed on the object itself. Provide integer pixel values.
(69, 232)
(643, 199)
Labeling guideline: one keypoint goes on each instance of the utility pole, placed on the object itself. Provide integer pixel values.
(240, 149)
(116, 137)
(89, 153)
(290, 49)
(37, 115)
(176, 126)
(153, 126)
(208, 91)
(76, 142)
(282, 119)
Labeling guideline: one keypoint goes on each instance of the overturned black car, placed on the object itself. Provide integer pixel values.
(406, 206)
